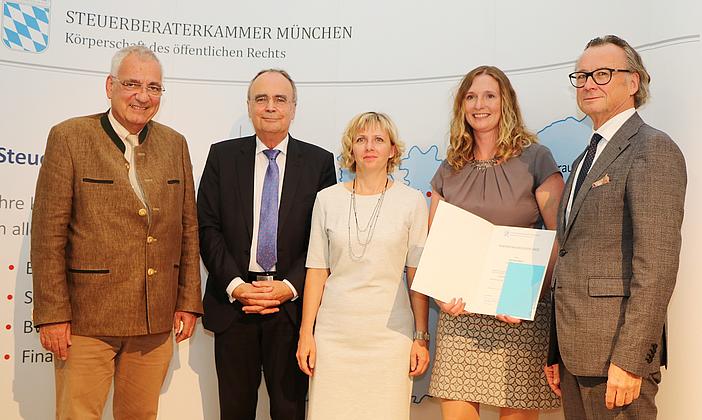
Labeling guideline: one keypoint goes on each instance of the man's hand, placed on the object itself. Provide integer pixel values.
(262, 297)
(554, 379)
(281, 292)
(622, 387)
(185, 330)
(56, 338)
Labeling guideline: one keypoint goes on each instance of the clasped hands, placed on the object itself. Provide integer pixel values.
(262, 297)
(456, 307)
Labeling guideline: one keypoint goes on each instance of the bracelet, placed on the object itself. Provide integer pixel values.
(421, 335)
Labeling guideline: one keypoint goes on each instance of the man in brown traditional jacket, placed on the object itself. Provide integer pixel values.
(115, 248)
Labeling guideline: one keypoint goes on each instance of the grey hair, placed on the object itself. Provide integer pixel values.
(634, 62)
(280, 72)
(144, 53)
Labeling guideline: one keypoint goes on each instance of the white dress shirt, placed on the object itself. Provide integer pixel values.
(131, 141)
(260, 167)
(607, 131)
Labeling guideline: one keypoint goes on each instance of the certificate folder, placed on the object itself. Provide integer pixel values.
(495, 269)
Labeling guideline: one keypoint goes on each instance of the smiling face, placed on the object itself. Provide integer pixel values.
(602, 102)
(372, 149)
(134, 109)
(482, 105)
(271, 107)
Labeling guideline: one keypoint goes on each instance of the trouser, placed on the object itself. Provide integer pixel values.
(584, 398)
(138, 365)
(252, 343)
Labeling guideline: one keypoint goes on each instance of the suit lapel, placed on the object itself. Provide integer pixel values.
(293, 162)
(614, 148)
(244, 164)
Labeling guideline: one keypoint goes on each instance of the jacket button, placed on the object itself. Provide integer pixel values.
(142, 212)
(151, 271)
(150, 239)
(562, 252)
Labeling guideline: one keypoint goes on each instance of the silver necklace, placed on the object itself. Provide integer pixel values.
(369, 229)
(482, 165)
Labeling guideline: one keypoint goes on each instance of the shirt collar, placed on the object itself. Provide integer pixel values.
(282, 146)
(610, 128)
(120, 130)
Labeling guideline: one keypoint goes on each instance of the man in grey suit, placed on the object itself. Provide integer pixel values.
(619, 235)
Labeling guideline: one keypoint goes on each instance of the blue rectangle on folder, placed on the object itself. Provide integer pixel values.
(520, 289)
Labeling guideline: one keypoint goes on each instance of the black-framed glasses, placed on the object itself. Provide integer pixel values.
(134, 86)
(600, 76)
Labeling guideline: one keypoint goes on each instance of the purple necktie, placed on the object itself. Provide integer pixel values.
(587, 163)
(266, 249)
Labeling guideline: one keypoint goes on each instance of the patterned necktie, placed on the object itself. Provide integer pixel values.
(133, 141)
(587, 162)
(266, 249)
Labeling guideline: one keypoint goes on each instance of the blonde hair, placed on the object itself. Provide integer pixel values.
(361, 122)
(513, 137)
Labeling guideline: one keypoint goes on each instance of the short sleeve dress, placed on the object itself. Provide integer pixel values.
(478, 358)
(364, 324)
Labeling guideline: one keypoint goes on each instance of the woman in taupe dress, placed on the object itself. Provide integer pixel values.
(495, 169)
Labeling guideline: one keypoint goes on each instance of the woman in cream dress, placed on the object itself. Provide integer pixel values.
(360, 353)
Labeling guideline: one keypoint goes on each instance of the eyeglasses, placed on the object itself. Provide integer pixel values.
(133, 86)
(278, 100)
(600, 76)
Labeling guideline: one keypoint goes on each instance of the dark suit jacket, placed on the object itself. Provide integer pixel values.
(225, 213)
(619, 253)
(93, 241)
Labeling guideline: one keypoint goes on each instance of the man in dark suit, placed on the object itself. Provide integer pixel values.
(255, 251)
(619, 235)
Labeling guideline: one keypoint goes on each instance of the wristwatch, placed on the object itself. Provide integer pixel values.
(421, 335)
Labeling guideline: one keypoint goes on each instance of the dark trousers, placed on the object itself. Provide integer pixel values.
(252, 343)
(584, 398)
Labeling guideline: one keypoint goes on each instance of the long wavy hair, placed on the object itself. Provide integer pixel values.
(513, 137)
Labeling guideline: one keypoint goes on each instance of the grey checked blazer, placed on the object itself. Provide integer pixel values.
(618, 257)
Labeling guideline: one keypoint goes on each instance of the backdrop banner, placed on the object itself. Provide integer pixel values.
(402, 58)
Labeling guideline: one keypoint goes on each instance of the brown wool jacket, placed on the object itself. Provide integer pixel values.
(101, 259)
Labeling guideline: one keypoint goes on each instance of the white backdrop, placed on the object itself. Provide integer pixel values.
(403, 58)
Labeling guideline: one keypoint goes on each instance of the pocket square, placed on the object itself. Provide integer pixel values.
(601, 181)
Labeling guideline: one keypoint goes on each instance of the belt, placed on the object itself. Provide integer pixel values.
(261, 276)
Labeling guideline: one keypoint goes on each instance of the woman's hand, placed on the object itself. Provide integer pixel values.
(306, 353)
(453, 307)
(508, 319)
(419, 357)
